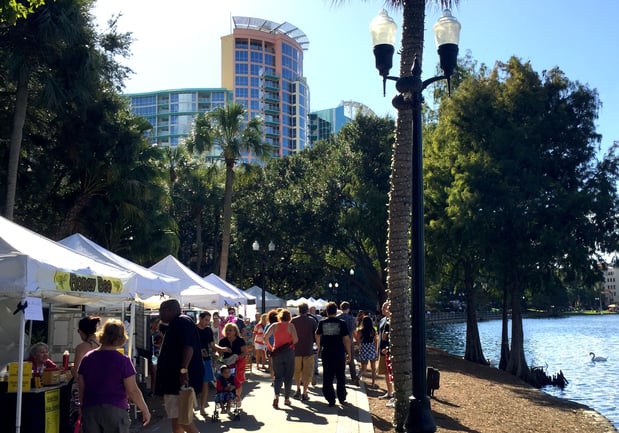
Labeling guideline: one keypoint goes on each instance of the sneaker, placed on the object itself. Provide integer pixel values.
(305, 397)
(331, 403)
(386, 396)
(391, 403)
(297, 395)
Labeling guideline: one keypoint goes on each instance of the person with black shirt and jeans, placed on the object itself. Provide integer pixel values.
(179, 362)
(334, 348)
(207, 347)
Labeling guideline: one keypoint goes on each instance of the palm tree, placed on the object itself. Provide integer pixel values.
(228, 128)
(398, 247)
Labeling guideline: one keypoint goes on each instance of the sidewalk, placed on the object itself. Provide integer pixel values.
(257, 412)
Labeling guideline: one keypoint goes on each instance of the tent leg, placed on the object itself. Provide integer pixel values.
(20, 367)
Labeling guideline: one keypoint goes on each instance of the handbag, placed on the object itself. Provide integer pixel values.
(186, 404)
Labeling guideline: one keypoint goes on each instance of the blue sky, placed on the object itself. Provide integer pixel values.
(177, 44)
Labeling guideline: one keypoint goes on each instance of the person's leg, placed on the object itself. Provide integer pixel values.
(298, 369)
(373, 371)
(328, 374)
(307, 370)
(364, 366)
(353, 371)
(277, 363)
(289, 363)
(340, 377)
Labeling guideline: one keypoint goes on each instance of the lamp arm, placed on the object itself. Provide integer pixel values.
(429, 81)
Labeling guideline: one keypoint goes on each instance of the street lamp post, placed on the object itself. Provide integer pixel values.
(256, 247)
(410, 88)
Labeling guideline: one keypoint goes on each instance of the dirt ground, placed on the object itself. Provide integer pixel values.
(478, 399)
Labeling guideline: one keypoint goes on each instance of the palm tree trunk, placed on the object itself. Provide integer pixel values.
(19, 119)
(227, 220)
(398, 245)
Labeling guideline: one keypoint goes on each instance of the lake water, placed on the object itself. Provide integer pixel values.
(556, 344)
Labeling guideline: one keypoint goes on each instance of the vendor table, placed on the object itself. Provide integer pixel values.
(44, 410)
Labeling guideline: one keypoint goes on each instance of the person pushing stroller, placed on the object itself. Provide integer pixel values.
(228, 389)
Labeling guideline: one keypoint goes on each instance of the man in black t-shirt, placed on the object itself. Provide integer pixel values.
(334, 348)
(179, 362)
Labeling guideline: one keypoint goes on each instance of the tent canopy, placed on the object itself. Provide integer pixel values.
(33, 265)
(270, 300)
(144, 282)
(194, 290)
(235, 292)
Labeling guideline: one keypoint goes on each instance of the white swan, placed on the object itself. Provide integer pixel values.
(596, 358)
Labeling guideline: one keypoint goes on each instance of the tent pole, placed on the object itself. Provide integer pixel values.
(20, 365)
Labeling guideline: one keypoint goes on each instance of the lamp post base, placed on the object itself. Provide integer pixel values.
(419, 419)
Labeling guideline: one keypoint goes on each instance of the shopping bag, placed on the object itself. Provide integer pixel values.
(186, 404)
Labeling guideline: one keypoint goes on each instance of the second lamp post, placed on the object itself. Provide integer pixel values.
(410, 88)
(256, 247)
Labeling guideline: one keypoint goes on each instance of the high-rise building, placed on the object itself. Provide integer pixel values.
(262, 63)
(171, 112)
(325, 123)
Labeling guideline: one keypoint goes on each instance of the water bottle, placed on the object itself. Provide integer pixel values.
(65, 360)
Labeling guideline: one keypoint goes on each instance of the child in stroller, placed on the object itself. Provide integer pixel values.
(228, 393)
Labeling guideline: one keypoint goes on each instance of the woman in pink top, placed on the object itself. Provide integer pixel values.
(282, 354)
(259, 345)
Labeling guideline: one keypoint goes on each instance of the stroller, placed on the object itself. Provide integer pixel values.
(227, 399)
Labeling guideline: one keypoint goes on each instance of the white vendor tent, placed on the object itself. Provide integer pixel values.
(194, 290)
(270, 300)
(33, 266)
(145, 282)
(240, 295)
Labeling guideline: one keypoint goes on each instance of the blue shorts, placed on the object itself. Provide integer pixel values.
(208, 371)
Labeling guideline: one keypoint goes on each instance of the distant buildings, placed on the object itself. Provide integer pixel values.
(171, 112)
(261, 68)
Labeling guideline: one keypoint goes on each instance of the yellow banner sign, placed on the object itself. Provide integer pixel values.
(52, 411)
(70, 282)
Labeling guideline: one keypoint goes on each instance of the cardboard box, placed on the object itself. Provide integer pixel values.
(51, 376)
(26, 376)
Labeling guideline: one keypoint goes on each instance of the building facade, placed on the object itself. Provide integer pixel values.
(171, 112)
(262, 63)
(323, 124)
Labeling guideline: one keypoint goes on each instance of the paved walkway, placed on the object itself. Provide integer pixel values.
(257, 412)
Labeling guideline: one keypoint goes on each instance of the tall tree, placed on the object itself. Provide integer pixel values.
(53, 55)
(228, 128)
(521, 150)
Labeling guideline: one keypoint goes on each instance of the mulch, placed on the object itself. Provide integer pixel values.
(481, 399)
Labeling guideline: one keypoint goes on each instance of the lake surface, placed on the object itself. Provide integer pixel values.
(557, 344)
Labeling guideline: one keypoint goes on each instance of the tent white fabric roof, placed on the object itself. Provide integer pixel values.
(144, 282)
(194, 290)
(270, 300)
(240, 295)
(33, 265)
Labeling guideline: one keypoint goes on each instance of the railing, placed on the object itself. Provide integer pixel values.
(460, 316)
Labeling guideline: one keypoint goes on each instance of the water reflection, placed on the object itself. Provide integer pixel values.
(557, 344)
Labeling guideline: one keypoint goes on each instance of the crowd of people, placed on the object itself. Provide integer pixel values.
(211, 352)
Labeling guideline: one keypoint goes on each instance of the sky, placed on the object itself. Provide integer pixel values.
(177, 44)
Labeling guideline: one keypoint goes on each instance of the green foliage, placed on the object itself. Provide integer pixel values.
(13, 10)
(325, 209)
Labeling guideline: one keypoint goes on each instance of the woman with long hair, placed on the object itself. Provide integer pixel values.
(259, 344)
(367, 337)
(282, 354)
